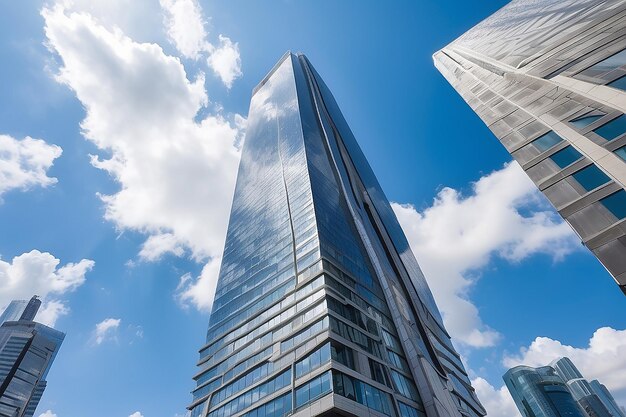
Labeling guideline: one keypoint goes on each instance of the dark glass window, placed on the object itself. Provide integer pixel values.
(566, 156)
(612, 129)
(315, 388)
(545, 142)
(378, 372)
(342, 354)
(606, 65)
(620, 83)
(591, 177)
(616, 204)
(621, 152)
(586, 120)
(362, 393)
(408, 411)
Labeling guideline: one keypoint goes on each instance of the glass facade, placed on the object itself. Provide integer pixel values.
(320, 304)
(548, 79)
(27, 350)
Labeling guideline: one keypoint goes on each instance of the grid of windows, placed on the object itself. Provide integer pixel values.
(278, 407)
(612, 129)
(408, 411)
(591, 177)
(405, 386)
(566, 157)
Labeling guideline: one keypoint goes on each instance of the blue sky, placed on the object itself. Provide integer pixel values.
(115, 212)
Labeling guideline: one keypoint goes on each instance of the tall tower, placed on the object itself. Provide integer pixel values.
(548, 79)
(320, 307)
(27, 350)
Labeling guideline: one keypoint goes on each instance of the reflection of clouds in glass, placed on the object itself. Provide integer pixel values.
(264, 103)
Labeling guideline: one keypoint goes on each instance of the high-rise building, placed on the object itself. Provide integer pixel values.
(548, 78)
(559, 390)
(27, 350)
(320, 307)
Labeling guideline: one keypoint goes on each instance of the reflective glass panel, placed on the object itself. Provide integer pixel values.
(591, 177)
(621, 152)
(620, 83)
(612, 129)
(566, 156)
(545, 142)
(616, 204)
(584, 121)
(606, 65)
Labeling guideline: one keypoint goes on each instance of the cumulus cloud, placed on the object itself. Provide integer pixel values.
(106, 330)
(199, 292)
(24, 163)
(48, 413)
(458, 235)
(497, 402)
(176, 170)
(225, 61)
(136, 414)
(604, 358)
(38, 273)
(185, 26)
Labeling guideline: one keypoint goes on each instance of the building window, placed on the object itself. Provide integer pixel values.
(616, 204)
(620, 83)
(566, 157)
(363, 393)
(313, 361)
(612, 129)
(621, 152)
(606, 65)
(591, 177)
(408, 411)
(312, 390)
(342, 354)
(278, 407)
(378, 372)
(545, 142)
(587, 119)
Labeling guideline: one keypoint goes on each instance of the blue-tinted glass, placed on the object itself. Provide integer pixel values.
(621, 152)
(616, 204)
(591, 177)
(566, 156)
(607, 64)
(620, 83)
(612, 129)
(545, 142)
(585, 121)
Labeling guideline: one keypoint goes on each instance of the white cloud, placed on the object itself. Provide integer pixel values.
(50, 312)
(458, 235)
(176, 173)
(497, 402)
(48, 413)
(226, 61)
(199, 292)
(24, 163)
(37, 273)
(185, 26)
(604, 358)
(106, 330)
(136, 414)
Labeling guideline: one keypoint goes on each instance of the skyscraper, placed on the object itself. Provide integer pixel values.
(27, 350)
(320, 307)
(548, 79)
(559, 390)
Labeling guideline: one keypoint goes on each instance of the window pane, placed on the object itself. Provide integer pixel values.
(591, 177)
(621, 152)
(545, 142)
(606, 65)
(585, 121)
(566, 157)
(616, 204)
(620, 83)
(612, 129)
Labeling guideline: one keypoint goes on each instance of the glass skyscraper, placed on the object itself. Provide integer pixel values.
(549, 80)
(559, 390)
(320, 307)
(27, 350)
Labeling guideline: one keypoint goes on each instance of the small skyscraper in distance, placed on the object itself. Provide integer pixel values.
(549, 80)
(558, 390)
(27, 350)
